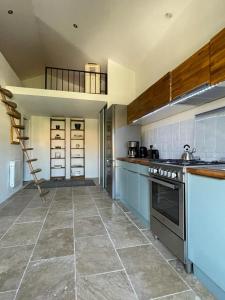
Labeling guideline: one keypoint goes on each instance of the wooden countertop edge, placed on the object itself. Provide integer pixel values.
(139, 161)
(218, 174)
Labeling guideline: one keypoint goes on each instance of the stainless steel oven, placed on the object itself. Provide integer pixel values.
(167, 204)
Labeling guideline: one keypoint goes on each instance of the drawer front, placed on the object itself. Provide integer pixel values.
(143, 170)
(132, 167)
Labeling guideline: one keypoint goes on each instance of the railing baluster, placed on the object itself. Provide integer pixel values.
(51, 79)
(100, 83)
(56, 79)
(79, 82)
(62, 80)
(46, 74)
(97, 81)
(68, 80)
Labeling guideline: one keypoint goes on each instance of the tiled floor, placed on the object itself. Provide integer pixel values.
(81, 245)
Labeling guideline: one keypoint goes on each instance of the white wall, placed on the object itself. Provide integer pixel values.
(36, 82)
(121, 84)
(40, 140)
(189, 31)
(171, 134)
(7, 74)
(8, 152)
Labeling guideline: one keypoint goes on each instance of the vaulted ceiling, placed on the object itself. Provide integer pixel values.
(41, 32)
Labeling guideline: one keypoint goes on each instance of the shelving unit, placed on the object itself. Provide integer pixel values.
(57, 148)
(77, 148)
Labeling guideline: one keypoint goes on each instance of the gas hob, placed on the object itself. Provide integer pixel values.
(175, 169)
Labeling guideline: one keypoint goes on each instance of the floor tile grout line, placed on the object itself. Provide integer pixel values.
(29, 222)
(138, 245)
(14, 246)
(128, 215)
(16, 219)
(50, 258)
(8, 201)
(158, 252)
(103, 273)
(131, 221)
(168, 295)
(32, 252)
(9, 291)
(171, 259)
(128, 278)
(74, 249)
(90, 236)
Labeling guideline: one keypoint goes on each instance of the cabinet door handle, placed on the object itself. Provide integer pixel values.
(164, 183)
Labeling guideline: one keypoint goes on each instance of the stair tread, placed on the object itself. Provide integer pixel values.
(14, 114)
(32, 159)
(6, 92)
(10, 103)
(40, 181)
(27, 149)
(18, 126)
(22, 137)
(35, 171)
(44, 193)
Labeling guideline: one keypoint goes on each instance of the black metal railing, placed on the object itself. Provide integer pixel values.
(75, 81)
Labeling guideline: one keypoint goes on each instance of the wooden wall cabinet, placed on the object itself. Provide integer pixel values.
(155, 96)
(192, 73)
(217, 57)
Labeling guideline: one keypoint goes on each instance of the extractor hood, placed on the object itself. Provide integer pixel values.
(202, 95)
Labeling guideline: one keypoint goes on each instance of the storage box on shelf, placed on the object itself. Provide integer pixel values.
(57, 148)
(77, 148)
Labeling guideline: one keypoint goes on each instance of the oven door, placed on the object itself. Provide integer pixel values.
(167, 204)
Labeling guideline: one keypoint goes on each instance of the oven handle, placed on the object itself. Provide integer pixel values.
(167, 184)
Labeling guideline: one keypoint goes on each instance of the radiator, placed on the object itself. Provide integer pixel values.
(15, 173)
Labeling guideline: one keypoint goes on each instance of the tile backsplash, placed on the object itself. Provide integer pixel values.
(205, 132)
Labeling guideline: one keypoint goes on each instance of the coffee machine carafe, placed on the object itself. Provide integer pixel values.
(133, 149)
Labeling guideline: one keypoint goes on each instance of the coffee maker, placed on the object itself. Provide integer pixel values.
(133, 148)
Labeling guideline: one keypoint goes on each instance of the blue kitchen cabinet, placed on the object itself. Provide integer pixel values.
(206, 231)
(144, 198)
(133, 190)
(133, 186)
(123, 185)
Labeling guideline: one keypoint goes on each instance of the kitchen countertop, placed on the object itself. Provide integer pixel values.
(140, 161)
(217, 172)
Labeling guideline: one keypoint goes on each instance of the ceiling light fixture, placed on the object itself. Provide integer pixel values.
(168, 15)
(10, 11)
(75, 26)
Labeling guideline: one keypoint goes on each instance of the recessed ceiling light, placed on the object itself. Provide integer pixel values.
(75, 26)
(168, 15)
(10, 11)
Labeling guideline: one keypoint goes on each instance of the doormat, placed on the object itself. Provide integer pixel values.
(62, 183)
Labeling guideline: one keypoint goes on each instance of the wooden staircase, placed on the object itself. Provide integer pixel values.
(14, 114)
